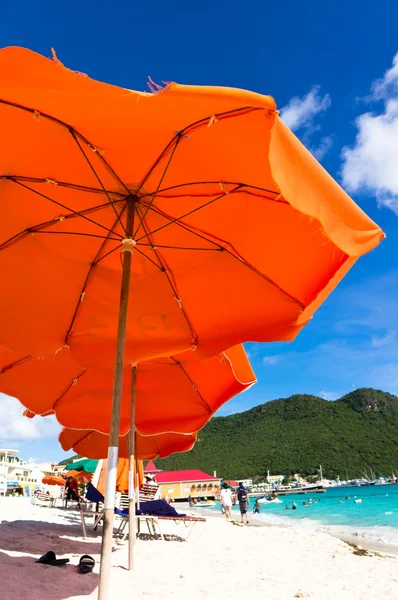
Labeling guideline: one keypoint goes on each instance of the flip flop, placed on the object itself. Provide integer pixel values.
(50, 559)
(86, 564)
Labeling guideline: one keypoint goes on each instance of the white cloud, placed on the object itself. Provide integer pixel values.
(323, 147)
(271, 360)
(14, 426)
(385, 340)
(329, 395)
(300, 112)
(371, 164)
(388, 84)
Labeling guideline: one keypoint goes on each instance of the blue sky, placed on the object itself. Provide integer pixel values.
(332, 72)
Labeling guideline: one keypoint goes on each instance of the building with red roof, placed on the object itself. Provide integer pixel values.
(178, 485)
(151, 469)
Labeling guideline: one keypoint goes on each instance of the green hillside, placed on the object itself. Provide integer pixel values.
(294, 435)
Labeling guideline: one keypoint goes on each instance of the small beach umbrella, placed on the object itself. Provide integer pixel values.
(84, 464)
(95, 445)
(122, 477)
(195, 201)
(82, 476)
(53, 480)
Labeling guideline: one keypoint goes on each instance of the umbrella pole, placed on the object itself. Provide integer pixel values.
(137, 488)
(132, 523)
(113, 450)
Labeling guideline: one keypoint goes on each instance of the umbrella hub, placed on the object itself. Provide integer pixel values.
(128, 244)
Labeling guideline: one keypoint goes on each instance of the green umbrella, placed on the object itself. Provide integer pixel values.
(85, 464)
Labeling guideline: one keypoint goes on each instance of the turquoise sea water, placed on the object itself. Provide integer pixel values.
(375, 519)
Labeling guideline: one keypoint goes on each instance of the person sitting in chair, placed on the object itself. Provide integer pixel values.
(71, 489)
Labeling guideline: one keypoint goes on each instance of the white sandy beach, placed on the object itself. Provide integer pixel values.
(219, 560)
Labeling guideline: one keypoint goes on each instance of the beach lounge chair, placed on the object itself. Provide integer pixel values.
(42, 497)
(154, 514)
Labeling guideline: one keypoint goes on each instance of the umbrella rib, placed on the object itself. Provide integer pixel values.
(181, 248)
(37, 114)
(15, 364)
(192, 127)
(191, 212)
(202, 237)
(177, 362)
(40, 226)
(74, 186)
(191, 183)
(93, 264)
(150, 259)
(223, 248)
(93, 235)
(77, 214)
(81, 439)
(66, 390)
(159, 184)
(71, 131)
(194, 336)
(107, 254)
(263, 276)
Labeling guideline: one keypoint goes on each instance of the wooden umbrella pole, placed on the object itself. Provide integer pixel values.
(109, 503)
(132, 523)
(136, 470)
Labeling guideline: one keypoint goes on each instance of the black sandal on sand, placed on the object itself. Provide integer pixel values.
(86, 564)
(50, 559)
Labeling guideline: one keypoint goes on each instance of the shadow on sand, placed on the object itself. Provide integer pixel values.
(21, 577)
(37, 537)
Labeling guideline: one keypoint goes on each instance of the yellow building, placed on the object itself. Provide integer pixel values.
(179, 485)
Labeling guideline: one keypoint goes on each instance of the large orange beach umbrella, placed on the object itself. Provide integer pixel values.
(197, 202)
(93, 444)
(177, 394)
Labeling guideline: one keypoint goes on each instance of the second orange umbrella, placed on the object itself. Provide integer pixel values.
(93, 444)
(177, 394)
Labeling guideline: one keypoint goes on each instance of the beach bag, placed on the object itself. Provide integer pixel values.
(242, 495)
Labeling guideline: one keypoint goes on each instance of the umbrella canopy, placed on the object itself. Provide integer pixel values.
(173, 394)
(198, 203)
(53, 480)
(236, 232)
(84, 464)
(95, 445)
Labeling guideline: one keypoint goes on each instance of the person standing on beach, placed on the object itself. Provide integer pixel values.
(226, 501)
(243, 500)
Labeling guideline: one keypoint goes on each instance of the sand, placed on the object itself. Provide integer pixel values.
(219, 560)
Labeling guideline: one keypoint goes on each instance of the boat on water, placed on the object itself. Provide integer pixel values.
(269, 501)
(203, 504)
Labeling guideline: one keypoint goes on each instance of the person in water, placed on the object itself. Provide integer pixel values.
(287, 507)
(294, 506)
(257, 508)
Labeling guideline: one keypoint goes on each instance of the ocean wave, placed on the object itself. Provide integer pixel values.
(377, 537)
